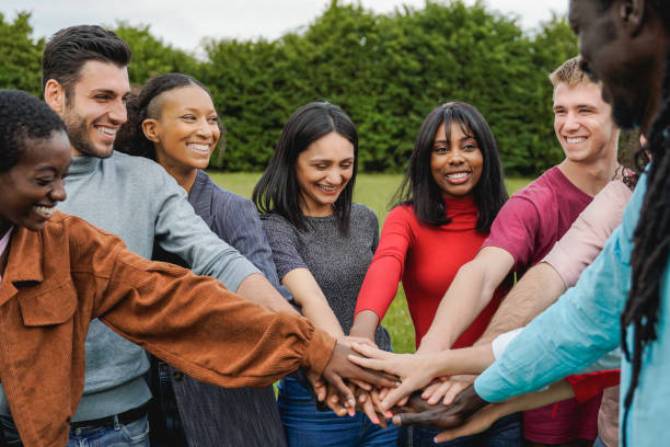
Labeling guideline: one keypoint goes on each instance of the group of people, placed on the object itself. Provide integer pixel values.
(155, 308)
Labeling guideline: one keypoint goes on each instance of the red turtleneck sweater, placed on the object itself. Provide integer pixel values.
(426, 258)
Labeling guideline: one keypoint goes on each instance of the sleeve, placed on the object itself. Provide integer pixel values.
(588, 386)
(585, 239)
(238, 223)
(502, 341)
(284, 244)
(193, 322)
(381, 280)
(577, 330)
(515, 229)
(179, 230)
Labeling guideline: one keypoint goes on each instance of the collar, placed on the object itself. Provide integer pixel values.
(83, 164)
(24, 263)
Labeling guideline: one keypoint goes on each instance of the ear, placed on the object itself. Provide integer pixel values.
(54, 96)
(151, 128)
(631, 14)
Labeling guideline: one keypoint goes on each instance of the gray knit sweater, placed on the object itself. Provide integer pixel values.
(338, 262)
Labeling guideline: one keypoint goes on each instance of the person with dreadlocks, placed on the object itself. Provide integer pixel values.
(623, 296)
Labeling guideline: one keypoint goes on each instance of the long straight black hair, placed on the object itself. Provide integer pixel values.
(419, 189)
(278, 191)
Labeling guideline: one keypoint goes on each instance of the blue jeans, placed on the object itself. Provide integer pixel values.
(306, 426)
(506, 432)
(133, 434)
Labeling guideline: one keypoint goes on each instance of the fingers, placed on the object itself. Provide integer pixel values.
(377, 365)
(438, 392)
(365, 403)
(395, 395)
(453, 391)
(371, 351)
(318, 386)
(333, 402)
(377, 402)
(423, 418)
(363, 385)
(478, 423)
(345, 394)
(372, 377)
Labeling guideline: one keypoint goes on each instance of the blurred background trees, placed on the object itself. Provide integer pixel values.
(386, 71)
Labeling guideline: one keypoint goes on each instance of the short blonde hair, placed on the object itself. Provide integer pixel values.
(569, 73)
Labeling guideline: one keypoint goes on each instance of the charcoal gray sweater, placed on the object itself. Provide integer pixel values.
(338, 262)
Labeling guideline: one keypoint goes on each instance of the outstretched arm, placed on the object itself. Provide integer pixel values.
(469, 293)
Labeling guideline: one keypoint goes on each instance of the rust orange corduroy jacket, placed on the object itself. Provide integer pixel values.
(56, 280)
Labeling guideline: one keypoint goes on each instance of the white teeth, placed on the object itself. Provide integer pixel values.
(107, 131)
(575, 140)
(458, 175)
(328, 188)
(44, 211)
(198, 147)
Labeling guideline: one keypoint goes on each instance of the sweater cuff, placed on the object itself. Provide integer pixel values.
(318, 352)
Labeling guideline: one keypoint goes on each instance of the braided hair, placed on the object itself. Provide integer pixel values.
(651, 250)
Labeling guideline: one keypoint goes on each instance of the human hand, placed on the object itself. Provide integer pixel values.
(443, 416)
(415, 371)
(446, 389)
(339, 368)
(479, 422)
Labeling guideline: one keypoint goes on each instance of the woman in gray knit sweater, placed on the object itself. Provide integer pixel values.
(322, 246)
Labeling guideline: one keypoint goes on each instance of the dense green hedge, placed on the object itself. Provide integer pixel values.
(386, 71)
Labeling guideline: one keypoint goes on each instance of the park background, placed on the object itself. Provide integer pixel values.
(386, 70)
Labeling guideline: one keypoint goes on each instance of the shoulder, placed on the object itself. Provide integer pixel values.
(79, 232)
(541, 189)
(139, 170)
(358, 210)
(274, 220)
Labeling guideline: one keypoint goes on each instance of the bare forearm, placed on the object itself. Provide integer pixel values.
(555, 393)
(538, 289)
(365, 325)
(472, 360)
(323, 317)
(256, 288)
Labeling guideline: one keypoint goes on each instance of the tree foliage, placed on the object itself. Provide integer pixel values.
(387, 71)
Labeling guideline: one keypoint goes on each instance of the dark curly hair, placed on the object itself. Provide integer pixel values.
(70, 48)
(23, 117)
(131, 138)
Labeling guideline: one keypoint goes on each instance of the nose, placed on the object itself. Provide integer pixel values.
(571, 122)
(456, 157)
(205, 129)
(58, 194)
(335, 176)
(118, 112)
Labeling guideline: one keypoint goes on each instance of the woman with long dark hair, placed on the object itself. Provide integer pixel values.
(173, 121)
(451, 194)
(322, 246)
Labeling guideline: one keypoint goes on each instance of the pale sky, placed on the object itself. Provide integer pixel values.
(184, 23)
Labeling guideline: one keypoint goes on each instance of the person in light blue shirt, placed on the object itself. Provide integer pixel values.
(624, 294)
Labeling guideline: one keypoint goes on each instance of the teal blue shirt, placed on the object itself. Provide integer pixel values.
(585, 325)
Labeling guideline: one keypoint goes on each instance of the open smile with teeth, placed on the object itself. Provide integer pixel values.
(44, 211)
(575, 140)
(201, 148)
(458, 178)
(106, 131)
(328, 188)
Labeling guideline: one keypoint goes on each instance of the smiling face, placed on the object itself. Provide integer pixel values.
(323, 170)
(187, 130)
(95, 108)
(456, 161)
(32, 188)
(583, 122)
(625, 53)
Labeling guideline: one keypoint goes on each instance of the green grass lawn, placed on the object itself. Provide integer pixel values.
(374, 191)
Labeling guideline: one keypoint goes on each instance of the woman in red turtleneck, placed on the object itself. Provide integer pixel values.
(451, 194)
